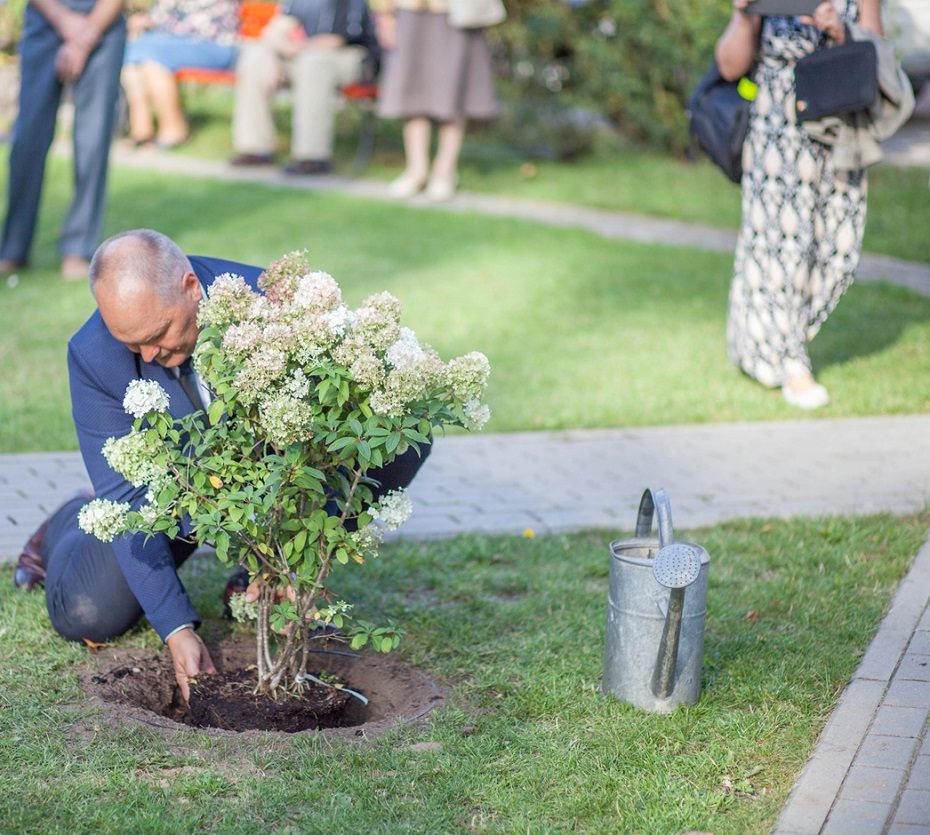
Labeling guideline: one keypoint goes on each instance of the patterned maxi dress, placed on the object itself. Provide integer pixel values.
(802, 219)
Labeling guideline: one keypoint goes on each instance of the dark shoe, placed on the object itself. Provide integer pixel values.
(250, 160)
(308, 167)
(8, 265)
(237, 583)
(30, 567)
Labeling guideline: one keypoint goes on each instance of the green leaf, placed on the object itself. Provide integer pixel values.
(300, 541)
(217, 407)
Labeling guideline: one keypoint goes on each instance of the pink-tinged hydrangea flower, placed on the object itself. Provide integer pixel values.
(318, 292)
(393, 509)
(468, 375)
(278, 335)
(103, 519)
(228, 300)
(280, 279)
(241, 339)
(260, 372)
(144, 396)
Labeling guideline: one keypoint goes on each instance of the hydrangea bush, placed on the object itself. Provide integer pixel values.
(308, 397)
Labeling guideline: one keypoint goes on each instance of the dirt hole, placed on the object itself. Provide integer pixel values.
(138, 687)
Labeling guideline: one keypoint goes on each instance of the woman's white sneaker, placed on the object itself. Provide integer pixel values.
(813, 397)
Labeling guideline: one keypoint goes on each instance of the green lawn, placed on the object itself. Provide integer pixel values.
(580, 331)
(514, 629)
(618, 176)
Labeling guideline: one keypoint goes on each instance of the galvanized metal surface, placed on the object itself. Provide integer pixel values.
(637, 609)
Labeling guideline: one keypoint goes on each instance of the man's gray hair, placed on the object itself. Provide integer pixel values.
(154, 260)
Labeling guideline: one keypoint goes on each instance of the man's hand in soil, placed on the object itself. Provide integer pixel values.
(190, 657)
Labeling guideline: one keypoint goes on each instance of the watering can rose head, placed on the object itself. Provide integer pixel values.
(308, 397)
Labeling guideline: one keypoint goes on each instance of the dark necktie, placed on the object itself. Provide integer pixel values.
(189, 384)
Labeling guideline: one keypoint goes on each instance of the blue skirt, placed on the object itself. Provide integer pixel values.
(176, 51)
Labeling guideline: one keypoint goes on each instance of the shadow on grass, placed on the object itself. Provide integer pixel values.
(867, 321)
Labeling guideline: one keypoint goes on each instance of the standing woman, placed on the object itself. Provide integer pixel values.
(802, 218)
(433, 73)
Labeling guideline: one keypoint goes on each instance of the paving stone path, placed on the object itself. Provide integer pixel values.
(870, 771)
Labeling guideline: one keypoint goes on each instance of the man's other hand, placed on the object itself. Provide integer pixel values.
(190, 657)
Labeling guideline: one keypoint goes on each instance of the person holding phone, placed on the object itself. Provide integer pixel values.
(802, 217)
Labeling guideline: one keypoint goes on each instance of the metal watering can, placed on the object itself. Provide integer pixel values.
(656, 608)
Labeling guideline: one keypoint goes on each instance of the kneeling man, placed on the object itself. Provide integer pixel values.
(145, 327)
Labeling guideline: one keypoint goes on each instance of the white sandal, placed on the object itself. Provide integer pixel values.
(406, 186)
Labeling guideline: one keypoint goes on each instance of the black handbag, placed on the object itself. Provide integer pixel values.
(836, 81)
(718, 119)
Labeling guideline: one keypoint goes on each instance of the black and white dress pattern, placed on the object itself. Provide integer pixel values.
(802, 219)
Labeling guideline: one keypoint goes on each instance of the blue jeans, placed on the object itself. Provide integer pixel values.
(95, 96)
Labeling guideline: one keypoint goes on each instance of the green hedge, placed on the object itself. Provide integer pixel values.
(633, 62)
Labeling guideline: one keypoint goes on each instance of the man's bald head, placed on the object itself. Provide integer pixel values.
(148, 295)
(140, 257)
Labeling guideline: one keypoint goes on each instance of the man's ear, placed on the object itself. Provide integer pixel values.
(190, 286)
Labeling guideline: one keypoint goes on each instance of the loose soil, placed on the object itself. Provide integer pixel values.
(135, 687)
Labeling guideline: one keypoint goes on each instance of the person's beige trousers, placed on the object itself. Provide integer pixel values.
(314, 75)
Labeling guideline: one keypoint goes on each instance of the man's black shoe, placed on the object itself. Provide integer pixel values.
(308, 167)
(237, 583)
(251, 160)
(30, 567)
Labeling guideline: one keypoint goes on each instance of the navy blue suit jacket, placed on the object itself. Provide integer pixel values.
(99, 370)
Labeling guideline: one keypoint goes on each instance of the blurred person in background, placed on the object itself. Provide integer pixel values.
(170, 35)
(317, 46)
(432, 72)
(803, 217)
(65, 43)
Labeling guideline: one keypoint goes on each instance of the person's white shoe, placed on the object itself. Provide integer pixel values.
(813, 397)
(406, 186)
(439, 191)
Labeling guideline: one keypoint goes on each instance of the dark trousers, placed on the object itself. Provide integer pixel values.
(95, 95)
(85, 591)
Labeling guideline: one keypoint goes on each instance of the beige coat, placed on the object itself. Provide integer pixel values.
(855, 138)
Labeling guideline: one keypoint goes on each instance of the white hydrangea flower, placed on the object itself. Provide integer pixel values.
(477, 414)
(144, 396)
(317, 291)
(394, 509)
(405, 352)
(131, 457)
(103, 518)
(228, 300)
(339, 319)
(468, 375)
(150, 513)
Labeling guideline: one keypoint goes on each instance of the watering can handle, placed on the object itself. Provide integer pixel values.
(655, 503)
